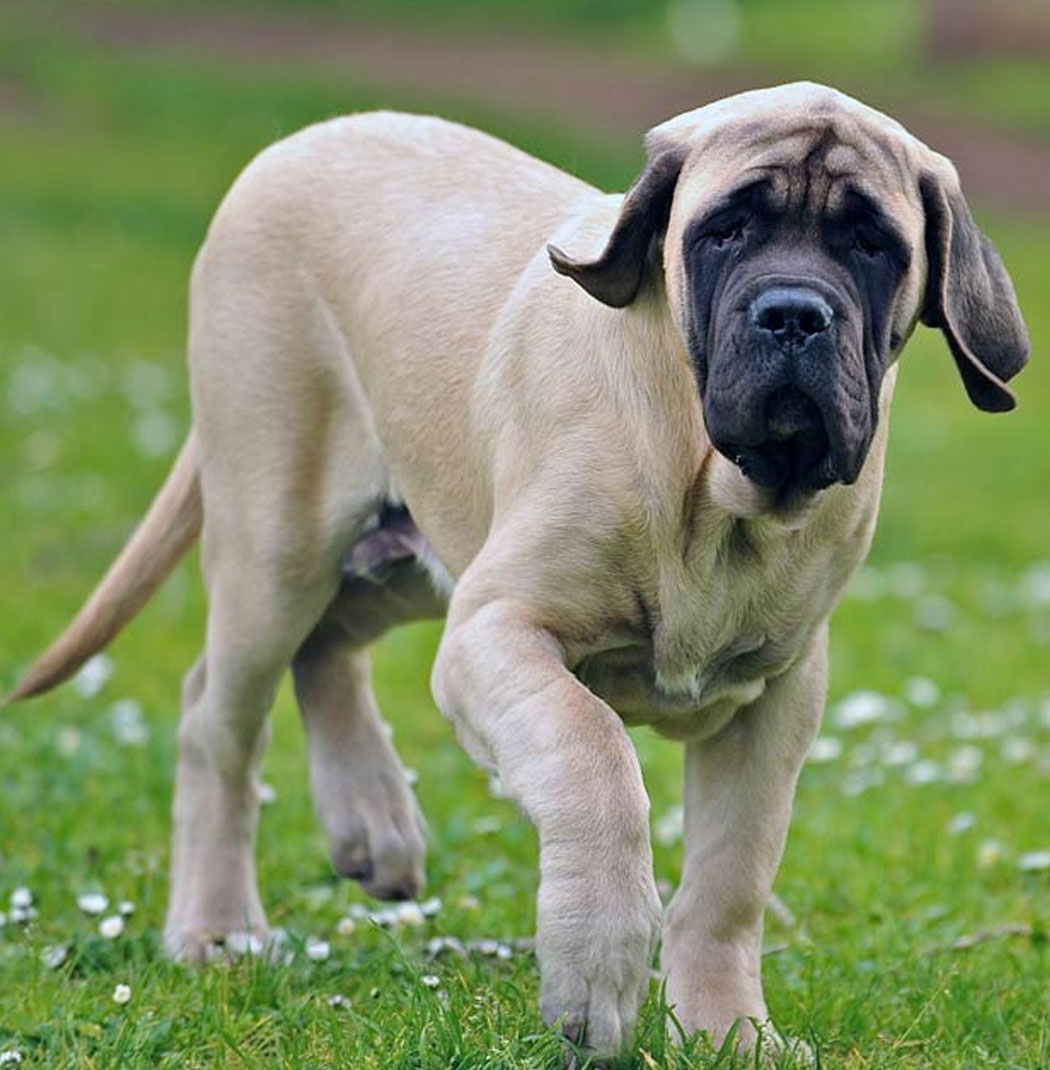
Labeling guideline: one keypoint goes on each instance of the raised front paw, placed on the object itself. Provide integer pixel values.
(595, 942)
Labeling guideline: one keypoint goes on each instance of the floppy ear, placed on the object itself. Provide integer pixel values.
(970, 297)
(616, 276)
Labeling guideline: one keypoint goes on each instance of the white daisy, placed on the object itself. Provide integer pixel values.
(317, 950)
(1034, 861)
(111, 927)
(92, 902)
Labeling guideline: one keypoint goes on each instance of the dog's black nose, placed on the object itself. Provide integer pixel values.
(793, 315)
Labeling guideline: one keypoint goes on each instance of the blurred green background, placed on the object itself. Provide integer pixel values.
(121, 126)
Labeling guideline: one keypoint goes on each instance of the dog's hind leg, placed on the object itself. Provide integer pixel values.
(290, 473)
(254, 627)
(360, 790)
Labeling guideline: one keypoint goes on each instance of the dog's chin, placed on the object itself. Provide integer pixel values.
(742, 497)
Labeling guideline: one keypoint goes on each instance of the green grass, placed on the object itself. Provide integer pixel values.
(108, 180)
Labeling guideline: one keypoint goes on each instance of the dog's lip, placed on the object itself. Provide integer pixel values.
(754, 464)
(791, 448)
(762, 466)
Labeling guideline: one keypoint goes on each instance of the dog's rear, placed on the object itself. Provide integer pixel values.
(352, 270)
(275, 255)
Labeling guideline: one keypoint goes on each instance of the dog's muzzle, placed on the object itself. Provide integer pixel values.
(786, 446)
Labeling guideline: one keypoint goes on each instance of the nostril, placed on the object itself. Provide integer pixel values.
(813, 320)
(771, 319)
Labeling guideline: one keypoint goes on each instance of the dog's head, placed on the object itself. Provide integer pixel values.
(803, 235)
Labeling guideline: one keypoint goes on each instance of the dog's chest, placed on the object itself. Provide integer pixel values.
(720, 626)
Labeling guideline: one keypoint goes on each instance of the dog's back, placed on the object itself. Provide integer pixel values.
(382, 247)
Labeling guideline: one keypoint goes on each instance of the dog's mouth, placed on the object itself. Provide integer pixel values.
(794, 455)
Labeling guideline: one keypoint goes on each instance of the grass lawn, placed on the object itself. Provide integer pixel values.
(917, 834)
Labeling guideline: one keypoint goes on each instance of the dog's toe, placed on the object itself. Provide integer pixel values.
(388, 864)
(200, 945)
(398, 879)
(192, 946)
(350, 858)
(399, 892)
(380, 846)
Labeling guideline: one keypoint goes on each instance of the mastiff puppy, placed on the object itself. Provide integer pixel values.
(633, 444)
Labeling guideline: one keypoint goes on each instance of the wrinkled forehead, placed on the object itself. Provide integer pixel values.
(811, 154)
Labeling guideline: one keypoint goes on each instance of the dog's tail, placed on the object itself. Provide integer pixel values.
(169, 529)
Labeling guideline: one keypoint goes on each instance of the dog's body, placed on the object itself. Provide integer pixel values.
(375, 323)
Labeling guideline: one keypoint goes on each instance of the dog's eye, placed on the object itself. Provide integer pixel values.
(728, 234)
(869, 242)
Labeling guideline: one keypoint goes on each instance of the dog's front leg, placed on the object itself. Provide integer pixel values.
(739, 788)
(565, 758)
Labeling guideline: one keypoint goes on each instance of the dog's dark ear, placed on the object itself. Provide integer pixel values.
(616, 276)
(970, 297)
